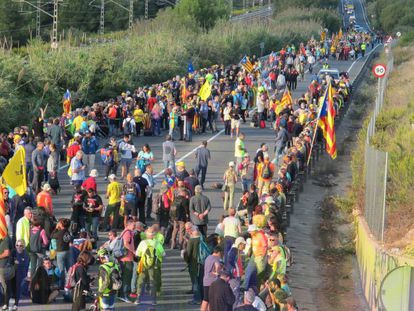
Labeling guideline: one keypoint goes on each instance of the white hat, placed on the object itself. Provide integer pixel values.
(93, 173)
(239, 240)
(252, 228)
(77, 135)
(231, 163)
(112, 177)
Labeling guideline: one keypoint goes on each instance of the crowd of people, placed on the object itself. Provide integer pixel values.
(242, 265)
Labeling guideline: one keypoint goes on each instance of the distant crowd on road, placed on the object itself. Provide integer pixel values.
(243, 264)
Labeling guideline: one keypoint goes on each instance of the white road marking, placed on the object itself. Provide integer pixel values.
(191, 152)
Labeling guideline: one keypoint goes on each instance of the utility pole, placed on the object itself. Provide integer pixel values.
(54, 17)
(102, 19)
(39, 3)
(55, 24)
(146, 9)
(131, 13)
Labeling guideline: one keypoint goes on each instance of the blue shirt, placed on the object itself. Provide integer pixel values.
(89, 145)
(75, 164)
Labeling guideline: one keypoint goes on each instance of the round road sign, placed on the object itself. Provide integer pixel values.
(379, 70)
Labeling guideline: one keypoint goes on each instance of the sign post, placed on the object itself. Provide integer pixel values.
(379, 71)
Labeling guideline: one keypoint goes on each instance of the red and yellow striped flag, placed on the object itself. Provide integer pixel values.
(3, 226)
(327, 121)
(286, 99)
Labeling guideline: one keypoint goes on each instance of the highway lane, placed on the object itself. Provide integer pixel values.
(176, 282)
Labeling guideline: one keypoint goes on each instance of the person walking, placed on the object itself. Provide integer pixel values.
(202, 155)
(168, 153)
(39, 166)
(200, 207)
(220, 295)
(232, 230)
(61, 237)
(239, 150)
(77, 169)
(113, 194)
(143, 185)
(127, 261)
(148, 175)
(148, 253)
(212, 268)
(108, 273)
(89, 147)
(126, 149)
(230, 180)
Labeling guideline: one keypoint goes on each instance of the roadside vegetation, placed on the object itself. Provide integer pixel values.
(154, 51)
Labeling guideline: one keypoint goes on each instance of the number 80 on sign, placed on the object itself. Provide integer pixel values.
(379, 70)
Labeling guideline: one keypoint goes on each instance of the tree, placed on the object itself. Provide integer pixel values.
(12, 23)
(205, 13)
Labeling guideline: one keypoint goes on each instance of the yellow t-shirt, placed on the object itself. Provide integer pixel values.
(114, 190)
(138, 115)
(77, 122)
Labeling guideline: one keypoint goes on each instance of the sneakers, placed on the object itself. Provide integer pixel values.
(5, 307)
(124, 299)
(194, 302)
(14, 308)
(137, 301)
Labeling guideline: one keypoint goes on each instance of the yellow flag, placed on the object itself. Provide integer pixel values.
(15, 172)
(340, 34)
(205, 91)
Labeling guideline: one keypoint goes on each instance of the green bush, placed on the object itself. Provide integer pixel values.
(155, 51)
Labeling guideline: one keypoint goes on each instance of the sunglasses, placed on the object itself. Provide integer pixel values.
(19, 245)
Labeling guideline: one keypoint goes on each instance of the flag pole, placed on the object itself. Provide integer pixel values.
(316, 127)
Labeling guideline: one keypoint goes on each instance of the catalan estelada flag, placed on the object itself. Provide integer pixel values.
(3, 226)
(246, 64)
(67, 102)
(327, 121)
(286, 99)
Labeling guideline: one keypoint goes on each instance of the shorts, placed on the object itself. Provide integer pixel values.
(205, 292)
(235, 123)
(126, 162)
(107, 302)
(130, 209)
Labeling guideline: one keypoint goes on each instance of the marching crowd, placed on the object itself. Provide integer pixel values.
(243, 264)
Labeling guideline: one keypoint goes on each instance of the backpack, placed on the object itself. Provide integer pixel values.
(288, 255)
(203, 251)
(148, 258)
(127, 127)
(35, 242)
(107, 156)
(119, 250)
(266, 171)
(70, 279)
(114, 275)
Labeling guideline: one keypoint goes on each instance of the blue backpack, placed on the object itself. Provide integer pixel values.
(203, 251)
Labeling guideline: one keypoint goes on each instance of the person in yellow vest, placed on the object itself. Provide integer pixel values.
(23, 227)
(239, 150)
(113, 193)
(363, 48)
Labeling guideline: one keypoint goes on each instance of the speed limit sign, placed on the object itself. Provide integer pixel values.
(379, 70)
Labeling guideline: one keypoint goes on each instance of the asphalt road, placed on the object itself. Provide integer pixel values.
(176, 282)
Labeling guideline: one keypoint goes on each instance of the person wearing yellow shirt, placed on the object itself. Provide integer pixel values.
(113, 193)
(77, 122)
(139, 119)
